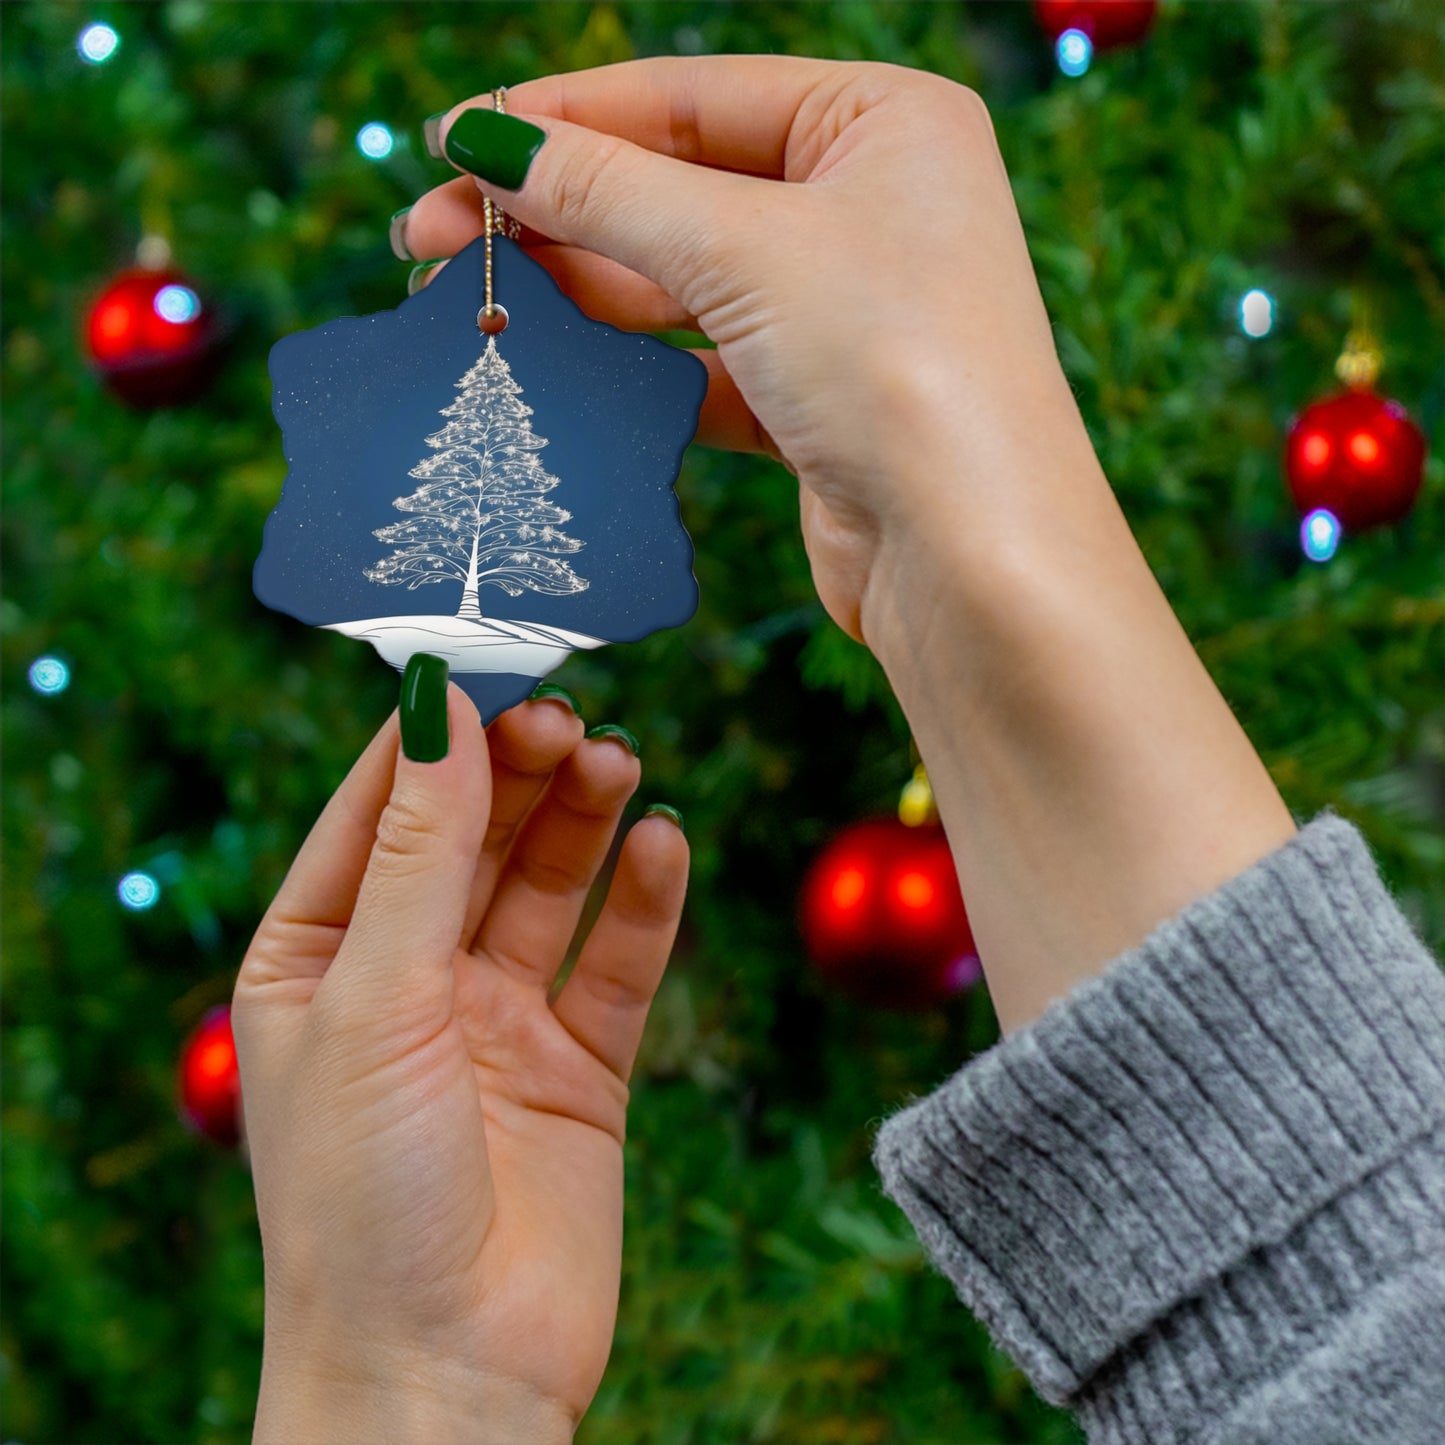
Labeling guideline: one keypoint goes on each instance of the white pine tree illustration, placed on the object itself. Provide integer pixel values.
(480, 514)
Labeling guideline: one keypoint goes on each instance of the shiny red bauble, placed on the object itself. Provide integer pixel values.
(1107, 23)
(209, 1080)
(883, 918)
(152, 338)
(1357, 455)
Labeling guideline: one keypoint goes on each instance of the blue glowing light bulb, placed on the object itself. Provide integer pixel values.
(1319, 535)
(49, 675)
(138, 891)
(1256, 313)
(177, 304)
(1074, 51)
(97, 43)
(375, 141)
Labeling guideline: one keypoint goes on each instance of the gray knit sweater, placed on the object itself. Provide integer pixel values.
(1202, 1198)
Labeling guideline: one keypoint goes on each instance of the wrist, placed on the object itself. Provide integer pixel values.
(985, 520)
(404, 1399)
(1092, 779)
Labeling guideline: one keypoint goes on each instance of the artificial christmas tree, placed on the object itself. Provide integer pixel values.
(1289, 146)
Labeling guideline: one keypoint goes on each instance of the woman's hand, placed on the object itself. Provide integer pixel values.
(847, 235)
(437, 1149)
(878, 324)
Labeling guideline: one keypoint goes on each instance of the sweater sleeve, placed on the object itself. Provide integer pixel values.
(1202, 1198)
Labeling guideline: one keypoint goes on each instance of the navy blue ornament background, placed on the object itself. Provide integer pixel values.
(357, 397)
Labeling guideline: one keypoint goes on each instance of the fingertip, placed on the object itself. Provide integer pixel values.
(553, 692)
(607, 762)
(652, 870)
(658, 843)
(536, 734)
(665, 810)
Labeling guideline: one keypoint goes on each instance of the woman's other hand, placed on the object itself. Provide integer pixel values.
(437, 1149)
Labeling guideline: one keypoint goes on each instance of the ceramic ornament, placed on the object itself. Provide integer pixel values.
(501, 501)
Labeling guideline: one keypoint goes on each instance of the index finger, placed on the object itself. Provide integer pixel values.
(734, 112)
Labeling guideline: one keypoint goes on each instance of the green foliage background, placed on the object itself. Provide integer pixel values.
(771, 1293)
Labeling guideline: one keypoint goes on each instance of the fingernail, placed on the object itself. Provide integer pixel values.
(415, 280)
(498, 148)
(550, 689)
(424, 736)
(431, 133)
(612, 730)
(396, 232)
(667, 812)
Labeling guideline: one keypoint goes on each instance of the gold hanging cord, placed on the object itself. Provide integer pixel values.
(495, 220)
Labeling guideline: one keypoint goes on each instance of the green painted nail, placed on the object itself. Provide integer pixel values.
(498, 148)
(424, 734)
(667, 812)
(396, 233)
(550, 689)
(414, 280)
(431, 133)
(612, 730)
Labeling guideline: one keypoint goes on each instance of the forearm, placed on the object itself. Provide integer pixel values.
(1091, 778)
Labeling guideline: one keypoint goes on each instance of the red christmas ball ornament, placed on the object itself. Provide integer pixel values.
(210, 1080)
(1107, 23)
(1357, 455)
(152, 338)
(883, 917)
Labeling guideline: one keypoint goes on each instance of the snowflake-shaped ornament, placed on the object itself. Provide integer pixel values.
(501, 563)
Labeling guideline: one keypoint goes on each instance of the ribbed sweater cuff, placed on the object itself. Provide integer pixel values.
(1214, 1106)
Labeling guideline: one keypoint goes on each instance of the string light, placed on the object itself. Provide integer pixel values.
(49, 675)
(1319, 535)
(1074, 51)
(177, 304)
(97, 44)
(375, 141)
(1256, 313)
(138, 891)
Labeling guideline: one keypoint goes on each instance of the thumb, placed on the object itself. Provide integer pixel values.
(666, 219)
(395, 962)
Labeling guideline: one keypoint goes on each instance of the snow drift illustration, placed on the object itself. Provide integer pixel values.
(467, 646)
(481, 521)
